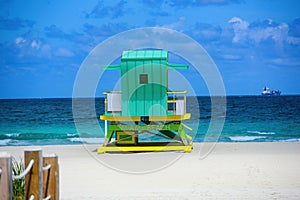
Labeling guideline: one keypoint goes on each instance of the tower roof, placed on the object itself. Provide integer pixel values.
(145, 55)
(142, 55)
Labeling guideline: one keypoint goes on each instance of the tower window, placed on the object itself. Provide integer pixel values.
(143, 78)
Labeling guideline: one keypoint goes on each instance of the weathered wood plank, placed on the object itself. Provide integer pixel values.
(5, 176)
(51, 177)
(34, 179)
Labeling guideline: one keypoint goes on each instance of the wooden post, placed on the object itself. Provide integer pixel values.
(51, 177)
(5, 176)
(34, 179)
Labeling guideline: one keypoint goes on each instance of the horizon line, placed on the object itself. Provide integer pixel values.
(231, 95)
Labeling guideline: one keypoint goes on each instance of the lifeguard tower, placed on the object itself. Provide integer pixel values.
(145, 115)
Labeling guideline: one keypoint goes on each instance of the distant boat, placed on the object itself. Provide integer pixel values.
(267, 92)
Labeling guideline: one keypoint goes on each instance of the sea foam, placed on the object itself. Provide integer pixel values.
(262, 132)
(291, 140)
(12, 134)
(71, 134)
(245, 138)
(87, 140)
(5, 142)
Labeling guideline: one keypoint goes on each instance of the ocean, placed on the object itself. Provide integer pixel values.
(50, 121)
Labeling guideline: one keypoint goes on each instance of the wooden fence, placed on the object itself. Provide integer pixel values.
(41, 176)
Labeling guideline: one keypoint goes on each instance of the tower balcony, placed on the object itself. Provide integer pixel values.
(176, 108)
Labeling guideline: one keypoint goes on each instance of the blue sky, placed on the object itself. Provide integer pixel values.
(43, 43)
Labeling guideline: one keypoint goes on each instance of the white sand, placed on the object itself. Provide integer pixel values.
(230, 171)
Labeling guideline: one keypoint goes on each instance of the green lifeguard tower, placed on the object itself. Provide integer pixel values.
(145, 107)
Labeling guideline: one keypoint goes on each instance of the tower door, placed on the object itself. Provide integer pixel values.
(144, 89)
(149, 100)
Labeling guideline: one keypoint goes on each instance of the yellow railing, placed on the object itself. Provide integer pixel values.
(173, 101)
(177, 92)
(112, 91)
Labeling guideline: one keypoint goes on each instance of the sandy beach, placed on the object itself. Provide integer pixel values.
(230, 171)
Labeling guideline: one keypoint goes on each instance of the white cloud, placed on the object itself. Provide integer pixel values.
(176, 25)
(262, 34)
(19, 41)
(240, 28)
(270, 21)
(290, 61)
(293, 40)
(235, 20)
(278, 33)
(28, 43)
(35, 44)
(64, 52)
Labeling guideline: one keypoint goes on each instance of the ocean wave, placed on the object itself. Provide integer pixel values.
(71, 134)
(12, 134)
(5, 142)
(87, 140)
(291, 140)
(262, 132)
(245, 138)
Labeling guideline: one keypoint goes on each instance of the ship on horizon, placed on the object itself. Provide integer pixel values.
(267, 92)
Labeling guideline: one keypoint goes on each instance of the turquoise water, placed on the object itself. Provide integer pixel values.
(50, 121)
